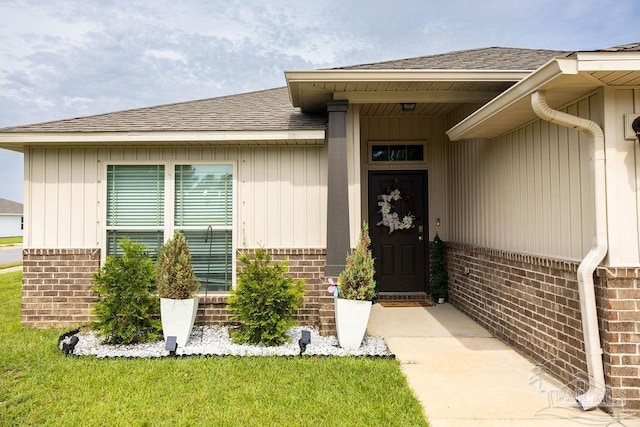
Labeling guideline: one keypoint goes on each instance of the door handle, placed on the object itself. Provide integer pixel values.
(420, 238)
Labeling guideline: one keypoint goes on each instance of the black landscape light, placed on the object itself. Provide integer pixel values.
(304, 341)
(68, 348)
(171, 345)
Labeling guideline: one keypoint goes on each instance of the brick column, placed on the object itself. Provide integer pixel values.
(56, 286)
(618, 295)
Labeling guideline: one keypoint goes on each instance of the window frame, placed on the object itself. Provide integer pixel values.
(397, 163)
(169, 226)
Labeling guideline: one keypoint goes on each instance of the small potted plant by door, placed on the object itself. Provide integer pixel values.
(356, 290)
(438, 271)
(177, 287)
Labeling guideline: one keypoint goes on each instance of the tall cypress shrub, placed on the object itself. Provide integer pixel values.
(264, 300)
(439, 274)
(127, 307)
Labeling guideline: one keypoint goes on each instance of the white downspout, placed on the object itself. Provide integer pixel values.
(592, 397)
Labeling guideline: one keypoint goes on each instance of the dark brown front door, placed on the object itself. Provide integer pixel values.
(400, 255)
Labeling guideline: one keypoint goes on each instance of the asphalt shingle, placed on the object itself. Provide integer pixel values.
(263, 110)
(490, 58)
(10, 207)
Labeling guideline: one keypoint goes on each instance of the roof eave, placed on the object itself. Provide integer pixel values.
(305, 80)
(470, 127)
(16, 141)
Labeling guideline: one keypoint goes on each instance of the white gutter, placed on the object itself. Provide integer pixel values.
(594, 395)
(515, 95)
(17, 141)
(417, 75)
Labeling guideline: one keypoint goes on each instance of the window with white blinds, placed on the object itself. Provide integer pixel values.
(203, 195)
(202, 209)
(135, 205)
(203, 201)
(135, 195)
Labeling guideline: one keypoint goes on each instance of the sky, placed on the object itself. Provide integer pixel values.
(66, 58)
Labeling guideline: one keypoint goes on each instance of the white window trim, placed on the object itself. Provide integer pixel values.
(169, 205)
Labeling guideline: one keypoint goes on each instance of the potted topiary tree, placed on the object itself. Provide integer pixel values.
(177, 287)
(438, 271)
(356, 290)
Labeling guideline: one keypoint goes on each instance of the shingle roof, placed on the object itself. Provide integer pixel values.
(630, 47)
(263, 110)
(9, 207)
(490, 58)
(271, 109)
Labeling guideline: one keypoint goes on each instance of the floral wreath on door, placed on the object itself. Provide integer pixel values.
(390, 218)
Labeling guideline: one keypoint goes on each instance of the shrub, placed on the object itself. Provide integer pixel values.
(438, 269)
(264, 300)
(127, 307)
(174, 271)
(356, 280)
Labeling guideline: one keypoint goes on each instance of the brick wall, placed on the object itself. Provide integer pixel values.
(532, 303)
(56, 285)
(305, 264)
(618, 294)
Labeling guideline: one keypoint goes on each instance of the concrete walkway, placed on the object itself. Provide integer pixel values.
(465, 377)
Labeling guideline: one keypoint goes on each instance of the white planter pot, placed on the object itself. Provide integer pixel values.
(178, 316)
(351, 322)
(441, 300)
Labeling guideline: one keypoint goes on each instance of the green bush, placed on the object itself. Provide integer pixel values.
(174, 271)
(439, 274)
(127, 307)
(356, 281)
(264, 300)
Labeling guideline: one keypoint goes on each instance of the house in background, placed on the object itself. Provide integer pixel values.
(523, 161)
(10, 218)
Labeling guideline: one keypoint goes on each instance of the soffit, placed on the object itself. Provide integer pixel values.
(310, 90)
(17, 141)
(564, 80)
(422, 109)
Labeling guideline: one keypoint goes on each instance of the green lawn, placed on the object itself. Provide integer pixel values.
(10, 240)
(39, 386)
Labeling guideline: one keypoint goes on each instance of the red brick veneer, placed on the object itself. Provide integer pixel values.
(56, 289)
(618, 295)
(532, 303)
(56, 286)
(303, 263)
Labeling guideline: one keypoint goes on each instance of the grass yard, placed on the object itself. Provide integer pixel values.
(10, 240)
(9, 265)
(39, 386)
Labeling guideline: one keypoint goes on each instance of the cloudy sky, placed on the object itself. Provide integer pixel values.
(68, 58)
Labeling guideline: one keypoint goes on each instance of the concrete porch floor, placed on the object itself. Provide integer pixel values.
(465, 377)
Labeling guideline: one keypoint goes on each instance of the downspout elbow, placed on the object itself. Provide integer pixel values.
(596, 392)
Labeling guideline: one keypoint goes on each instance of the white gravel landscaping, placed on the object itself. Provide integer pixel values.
(215, 341)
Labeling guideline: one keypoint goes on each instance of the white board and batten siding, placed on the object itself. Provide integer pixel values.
(529, 191)
(280, 190)
(623, 178)
(532, 190)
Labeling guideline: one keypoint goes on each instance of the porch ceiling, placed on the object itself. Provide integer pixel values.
(310, 90)
(394, 109)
